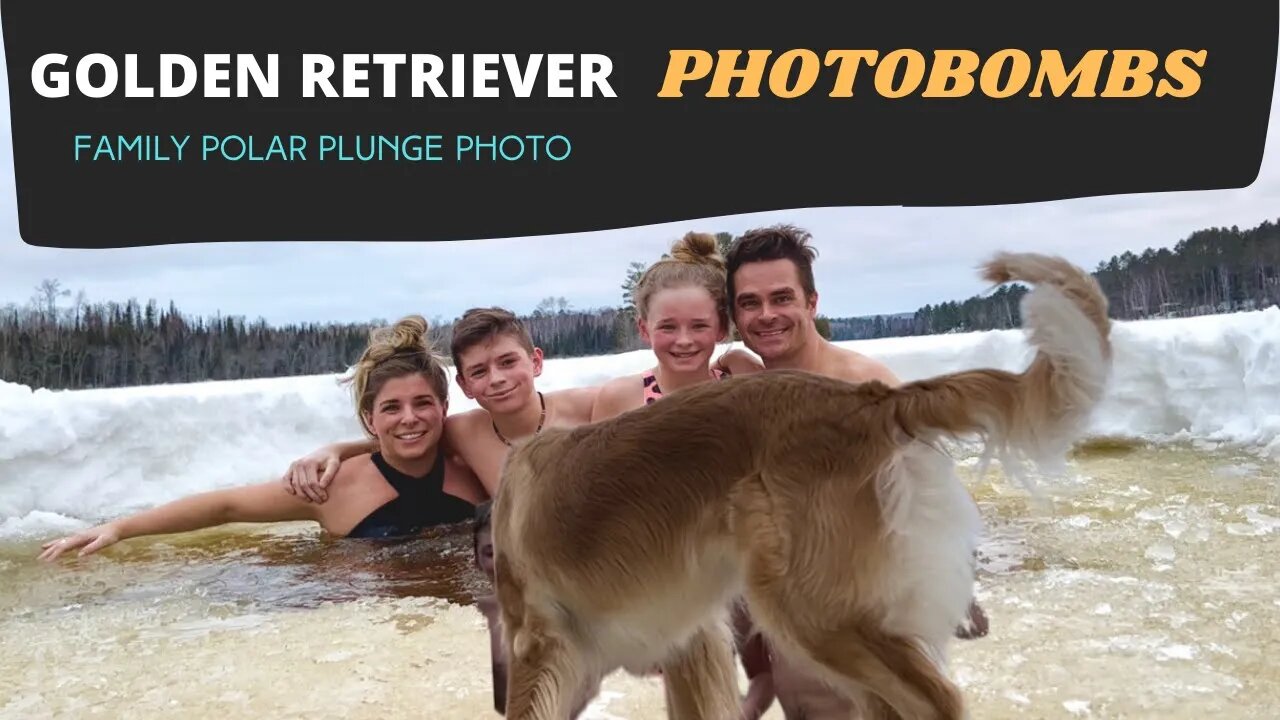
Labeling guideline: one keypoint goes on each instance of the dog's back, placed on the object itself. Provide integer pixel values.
(619, 537)
(820, 501)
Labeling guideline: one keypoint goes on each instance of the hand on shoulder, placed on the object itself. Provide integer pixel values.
(309, 477)
(738, 362)
(457, 427)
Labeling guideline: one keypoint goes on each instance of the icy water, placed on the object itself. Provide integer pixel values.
(1143, 587)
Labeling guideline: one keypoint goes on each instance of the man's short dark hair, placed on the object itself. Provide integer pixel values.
(777, 242)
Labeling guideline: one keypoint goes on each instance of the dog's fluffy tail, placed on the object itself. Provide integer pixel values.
(1037, 414)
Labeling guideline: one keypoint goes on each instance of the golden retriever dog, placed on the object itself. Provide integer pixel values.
(826, 505)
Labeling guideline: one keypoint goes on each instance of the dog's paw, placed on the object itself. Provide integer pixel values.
(975, 626)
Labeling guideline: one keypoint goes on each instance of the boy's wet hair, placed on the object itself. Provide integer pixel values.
(776, 242)
(479, 325)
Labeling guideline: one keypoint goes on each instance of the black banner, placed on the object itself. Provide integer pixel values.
(205, 122)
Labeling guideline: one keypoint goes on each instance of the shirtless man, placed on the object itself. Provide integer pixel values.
(774, 303)
(496, 364)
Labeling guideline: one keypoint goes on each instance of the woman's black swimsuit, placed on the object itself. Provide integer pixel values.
(420, 503)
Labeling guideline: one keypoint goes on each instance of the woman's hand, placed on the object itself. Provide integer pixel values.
(91, 540)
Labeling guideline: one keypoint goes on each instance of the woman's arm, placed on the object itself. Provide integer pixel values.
(268, 502)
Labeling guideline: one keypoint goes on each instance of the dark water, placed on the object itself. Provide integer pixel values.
(259, 568)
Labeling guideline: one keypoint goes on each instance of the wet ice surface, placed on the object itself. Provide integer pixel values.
(1144, 586)
(1147, 590)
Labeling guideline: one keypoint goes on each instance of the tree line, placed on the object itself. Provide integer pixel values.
(115, 344)
(57, 342)
(1218, 270)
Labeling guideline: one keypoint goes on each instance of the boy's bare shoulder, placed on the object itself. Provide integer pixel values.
(617, 396)
(461, 432)
(459, 425)
(575, 403)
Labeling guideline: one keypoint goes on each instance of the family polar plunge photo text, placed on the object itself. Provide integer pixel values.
(342, 148)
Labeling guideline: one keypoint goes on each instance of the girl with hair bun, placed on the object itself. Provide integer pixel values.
(682, 312)
(400, 391)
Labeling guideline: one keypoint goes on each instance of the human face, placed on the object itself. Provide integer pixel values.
(498, 374)
(771, 310)
(682, 327)
(407, 417)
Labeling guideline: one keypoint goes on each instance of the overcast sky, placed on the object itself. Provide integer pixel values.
(871, 260)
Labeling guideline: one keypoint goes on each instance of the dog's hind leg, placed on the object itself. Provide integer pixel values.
(700, 679)
(813, 624)
(860, 658)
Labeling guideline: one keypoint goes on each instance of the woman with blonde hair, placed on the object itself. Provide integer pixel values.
(401, 397)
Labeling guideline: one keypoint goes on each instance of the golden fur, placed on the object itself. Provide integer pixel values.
(823, 503)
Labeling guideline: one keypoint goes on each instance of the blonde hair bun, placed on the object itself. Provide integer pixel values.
(698, 248)
(409, 333)
(693, 260)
